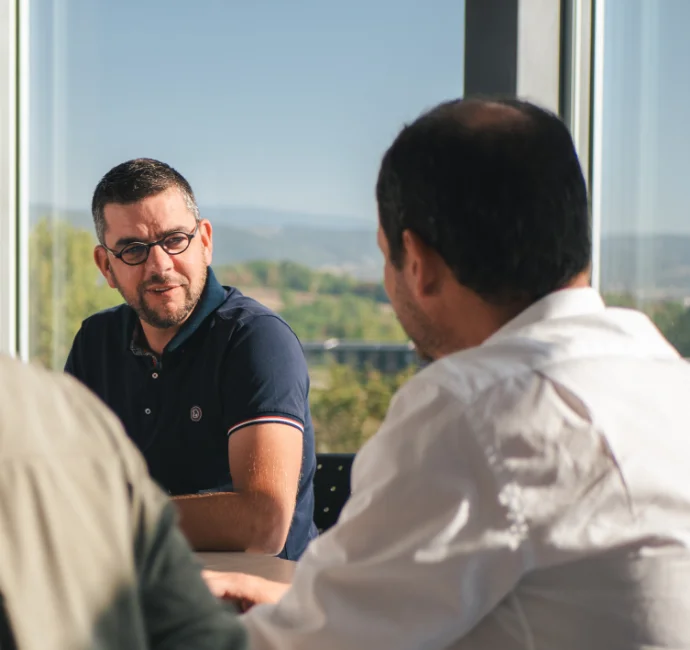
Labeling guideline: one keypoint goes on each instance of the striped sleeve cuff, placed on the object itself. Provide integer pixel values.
(268, 419)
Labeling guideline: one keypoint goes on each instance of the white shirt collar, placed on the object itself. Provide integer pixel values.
(559, 304)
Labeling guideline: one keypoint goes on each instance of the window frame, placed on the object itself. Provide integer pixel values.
(544, 54)
(9, 240)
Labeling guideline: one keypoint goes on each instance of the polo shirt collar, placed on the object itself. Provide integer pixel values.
(212, 297)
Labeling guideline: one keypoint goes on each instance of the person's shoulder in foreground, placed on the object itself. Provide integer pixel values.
(91, 555)
(527, 488)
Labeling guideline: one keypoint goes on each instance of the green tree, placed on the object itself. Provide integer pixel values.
(676, 327)
(65, 288)
(345, 317)
(350, 408)
(620, 300)
(670, 316)
(292, 276)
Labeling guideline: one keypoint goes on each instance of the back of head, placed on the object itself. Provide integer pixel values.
(496, 188)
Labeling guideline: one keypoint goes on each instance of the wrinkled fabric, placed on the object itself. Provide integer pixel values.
(531, 493)
(90, 554)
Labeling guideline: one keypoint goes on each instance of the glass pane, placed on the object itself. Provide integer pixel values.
(644, 166)
(277, 113)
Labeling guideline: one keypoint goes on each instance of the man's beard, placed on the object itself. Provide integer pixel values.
(166, 319)
(415, 324)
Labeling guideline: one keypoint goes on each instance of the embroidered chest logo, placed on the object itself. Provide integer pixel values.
(195, 414)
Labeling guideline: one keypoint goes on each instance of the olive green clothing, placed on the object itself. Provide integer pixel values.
(90, 554)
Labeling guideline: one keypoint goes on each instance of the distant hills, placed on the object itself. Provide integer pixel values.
(354, 252)
(251, 218)
(656, 265)
(268, 219)
(651, 266)
(326, 242)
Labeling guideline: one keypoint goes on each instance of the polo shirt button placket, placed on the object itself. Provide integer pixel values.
(155, 375)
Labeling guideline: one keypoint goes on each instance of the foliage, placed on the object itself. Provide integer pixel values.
(350, 404)
(278, 275)
(678, 331)
(344, 317)
(291, 276)
(65, 287)
(670, 316)
(620, 300)
(351, 407)
(320, 305)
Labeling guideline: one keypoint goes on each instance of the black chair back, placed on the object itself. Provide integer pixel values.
(331, 488)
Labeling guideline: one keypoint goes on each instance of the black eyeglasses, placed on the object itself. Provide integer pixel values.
(136, 253)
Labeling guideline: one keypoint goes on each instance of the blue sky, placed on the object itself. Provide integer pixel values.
(290, 104)
(263, 103)
(646, 105)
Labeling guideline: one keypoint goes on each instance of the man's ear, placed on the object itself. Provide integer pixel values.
(100, 256)
(206, 234)
(423, 266)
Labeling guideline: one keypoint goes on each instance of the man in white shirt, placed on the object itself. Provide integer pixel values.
(530, 487)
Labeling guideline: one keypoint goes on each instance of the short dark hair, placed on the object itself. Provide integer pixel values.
(503, 201)
(133, 181)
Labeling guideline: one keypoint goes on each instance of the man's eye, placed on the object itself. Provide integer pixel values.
(133, 250)
(177, 240)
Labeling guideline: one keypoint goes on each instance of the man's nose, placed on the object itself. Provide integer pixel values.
(159, 260)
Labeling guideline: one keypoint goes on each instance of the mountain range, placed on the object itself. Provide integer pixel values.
(339, 244)
(653, 265)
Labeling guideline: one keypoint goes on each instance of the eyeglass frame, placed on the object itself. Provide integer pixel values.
(149, 246)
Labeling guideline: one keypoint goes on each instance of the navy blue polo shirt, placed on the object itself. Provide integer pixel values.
(232, 364)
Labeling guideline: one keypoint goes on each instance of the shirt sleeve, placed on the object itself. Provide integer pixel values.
(266, 376)
(423, 550)
(179, 611)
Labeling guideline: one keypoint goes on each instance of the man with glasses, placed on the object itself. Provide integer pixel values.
(211, 385)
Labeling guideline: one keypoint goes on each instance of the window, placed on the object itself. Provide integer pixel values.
(277, 113)
(641, 162)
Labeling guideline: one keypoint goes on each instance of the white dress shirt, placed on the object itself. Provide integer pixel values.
(531, 493)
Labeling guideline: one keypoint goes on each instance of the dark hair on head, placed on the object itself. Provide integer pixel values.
(496, 188)
(133, 181)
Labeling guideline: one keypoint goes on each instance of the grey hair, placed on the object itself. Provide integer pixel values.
(133, 181)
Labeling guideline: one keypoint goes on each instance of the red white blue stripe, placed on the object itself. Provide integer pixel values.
(268, 419)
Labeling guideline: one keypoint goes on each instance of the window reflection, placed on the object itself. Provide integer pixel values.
(278, 114)
(645, 246)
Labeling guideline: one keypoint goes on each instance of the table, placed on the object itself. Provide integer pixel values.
(266, 566)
